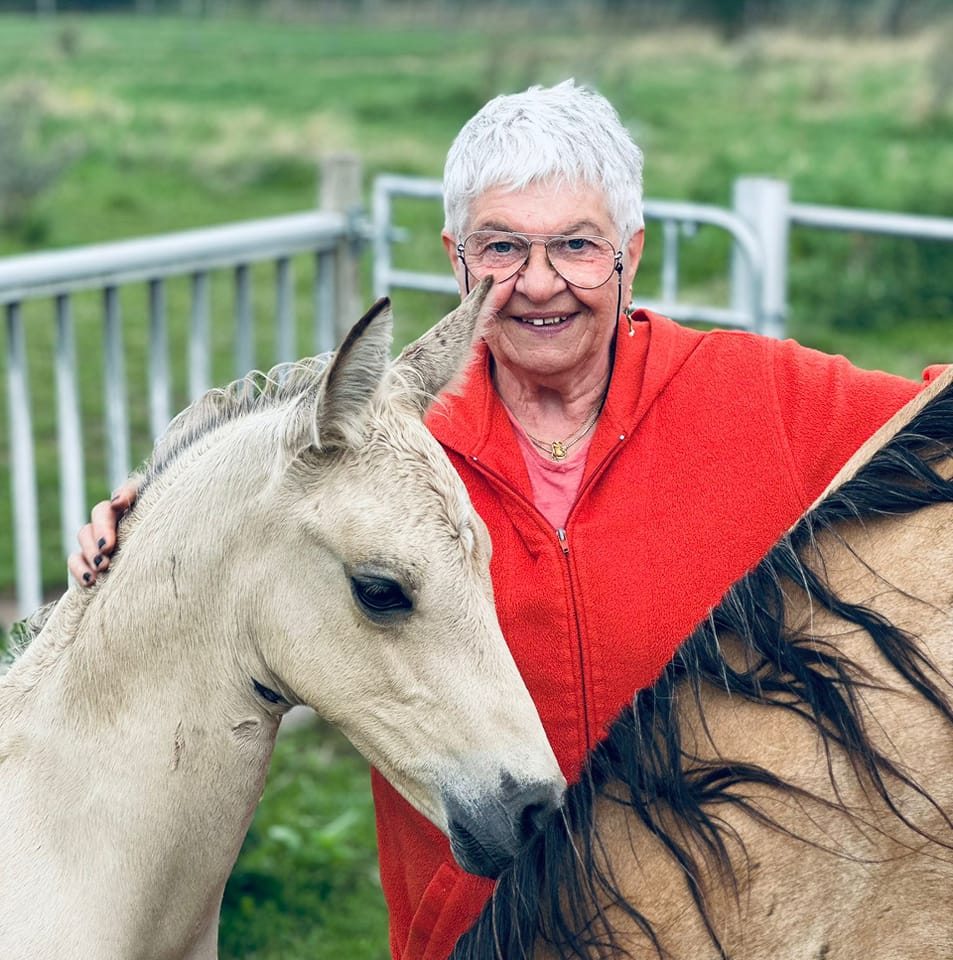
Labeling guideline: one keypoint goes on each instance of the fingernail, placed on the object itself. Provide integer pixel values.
(98, 559)
(87, 577)
(101, 543)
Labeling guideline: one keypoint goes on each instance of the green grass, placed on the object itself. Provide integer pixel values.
(306, 884)
(172, 124)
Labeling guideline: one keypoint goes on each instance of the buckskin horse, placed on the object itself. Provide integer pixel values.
(785, 789)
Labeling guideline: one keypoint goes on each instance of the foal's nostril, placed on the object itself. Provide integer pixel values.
(533, 819)
(537, 804)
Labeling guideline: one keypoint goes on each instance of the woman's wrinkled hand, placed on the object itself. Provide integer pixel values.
(97, 540)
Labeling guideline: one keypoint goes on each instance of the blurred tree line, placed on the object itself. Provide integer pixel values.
(731, 18)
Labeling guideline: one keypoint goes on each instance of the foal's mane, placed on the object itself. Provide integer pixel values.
(255, 392)
(551, 892)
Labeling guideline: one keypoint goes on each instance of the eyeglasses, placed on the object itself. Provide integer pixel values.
(584, 262)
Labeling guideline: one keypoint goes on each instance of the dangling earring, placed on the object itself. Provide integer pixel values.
(618, 274)
(627, 313)
(629, 309)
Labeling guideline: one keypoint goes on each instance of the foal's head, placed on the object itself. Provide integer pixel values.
(336, 547)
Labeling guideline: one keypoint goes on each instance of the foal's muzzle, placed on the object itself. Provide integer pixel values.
(486, 834)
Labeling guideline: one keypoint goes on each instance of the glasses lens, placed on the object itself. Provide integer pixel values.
(490, 253)
(582, 261)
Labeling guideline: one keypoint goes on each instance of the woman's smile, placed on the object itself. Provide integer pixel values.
(548, 321)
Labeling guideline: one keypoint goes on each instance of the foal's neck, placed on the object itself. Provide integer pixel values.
(145, 753)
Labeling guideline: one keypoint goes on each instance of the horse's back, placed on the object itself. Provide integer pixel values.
(827, 777)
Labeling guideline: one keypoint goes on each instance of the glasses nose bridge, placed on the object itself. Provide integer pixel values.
(544, 242)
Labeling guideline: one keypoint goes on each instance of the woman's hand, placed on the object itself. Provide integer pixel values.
(97, 540)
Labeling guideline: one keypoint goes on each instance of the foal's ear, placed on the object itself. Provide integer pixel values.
(431, 363)
(352, 378)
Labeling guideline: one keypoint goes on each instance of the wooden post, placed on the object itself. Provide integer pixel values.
(341, 189)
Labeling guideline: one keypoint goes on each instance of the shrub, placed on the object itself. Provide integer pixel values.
(28, 166)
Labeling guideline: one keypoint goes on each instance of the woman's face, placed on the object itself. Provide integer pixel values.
(582, 323)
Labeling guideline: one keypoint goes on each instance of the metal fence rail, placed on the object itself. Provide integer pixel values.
(110, 267)
(881, 222)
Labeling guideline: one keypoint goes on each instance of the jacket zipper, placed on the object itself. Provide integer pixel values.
(562, 539)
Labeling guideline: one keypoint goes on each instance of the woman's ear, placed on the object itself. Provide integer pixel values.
(633, 254)
(456, 264)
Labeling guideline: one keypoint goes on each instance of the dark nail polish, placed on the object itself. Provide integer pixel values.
(87, 577)
(97, 560)
(101, 543)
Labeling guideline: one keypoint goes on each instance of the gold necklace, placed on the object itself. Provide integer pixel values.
(559, 449)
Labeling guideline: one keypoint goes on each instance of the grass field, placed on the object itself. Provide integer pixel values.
(168, 124)
(306, 886)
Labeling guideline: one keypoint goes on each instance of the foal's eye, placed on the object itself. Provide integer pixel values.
(380, 597)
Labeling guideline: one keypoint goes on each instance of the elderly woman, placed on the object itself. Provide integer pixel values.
(629, 469)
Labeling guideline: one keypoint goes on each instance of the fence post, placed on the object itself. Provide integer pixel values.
(26, 546)
(341, 177)
(763, 204)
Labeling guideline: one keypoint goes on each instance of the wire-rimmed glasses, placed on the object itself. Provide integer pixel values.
(582, 261)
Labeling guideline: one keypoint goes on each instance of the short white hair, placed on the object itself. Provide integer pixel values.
(566, 133)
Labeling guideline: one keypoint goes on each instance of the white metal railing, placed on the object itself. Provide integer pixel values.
(881, 222)
(758, 224)
(110, 267)
(765, 204)
(677, 219)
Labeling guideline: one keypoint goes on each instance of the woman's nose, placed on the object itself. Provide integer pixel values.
(537, 278)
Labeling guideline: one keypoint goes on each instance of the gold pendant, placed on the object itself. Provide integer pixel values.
(559, 451)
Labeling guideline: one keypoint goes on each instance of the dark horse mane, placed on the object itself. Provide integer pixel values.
(541, 897)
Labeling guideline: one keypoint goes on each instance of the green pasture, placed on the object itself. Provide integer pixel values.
(121, 127)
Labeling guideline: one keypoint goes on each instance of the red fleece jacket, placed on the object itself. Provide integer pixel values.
(709, 447)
